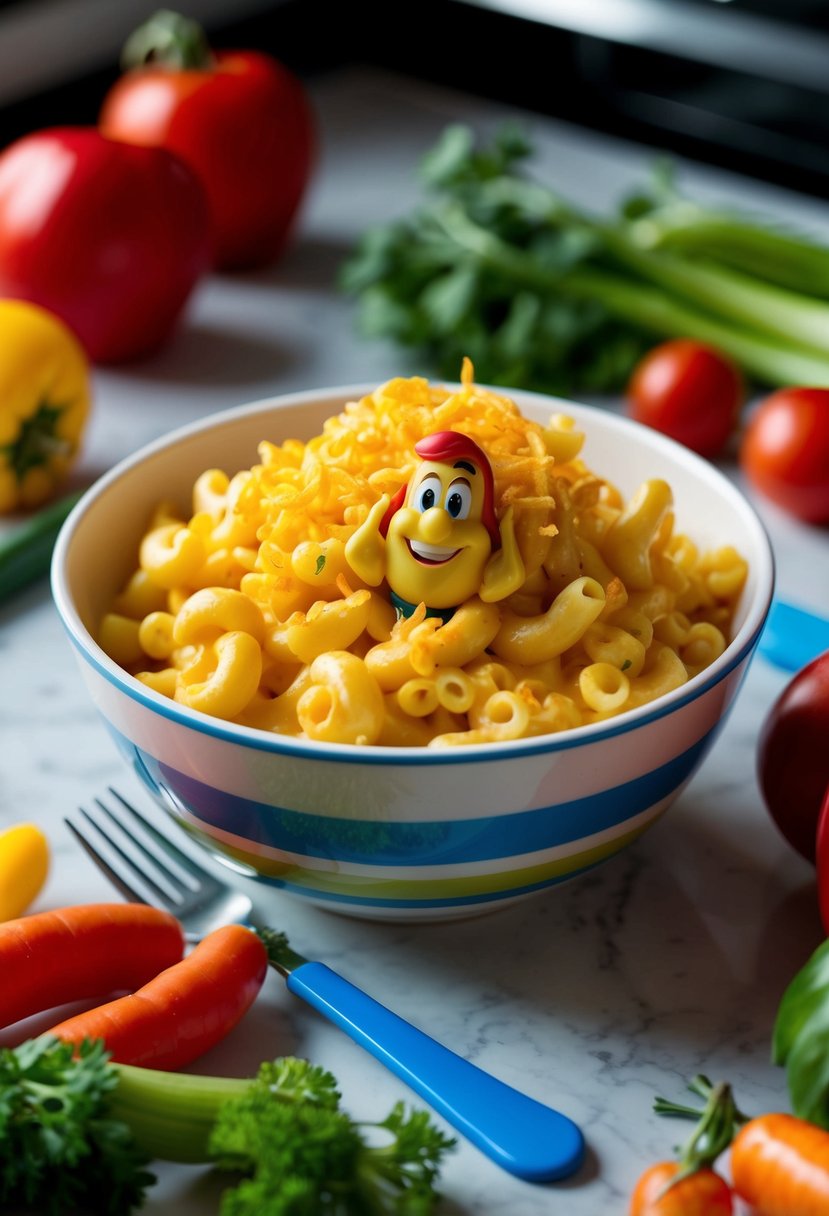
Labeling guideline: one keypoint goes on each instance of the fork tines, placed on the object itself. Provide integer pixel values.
(144, 864)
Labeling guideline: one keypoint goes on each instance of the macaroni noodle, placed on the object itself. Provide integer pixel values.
(268, 606)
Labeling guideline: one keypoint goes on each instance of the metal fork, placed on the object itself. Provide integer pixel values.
(523, 1136)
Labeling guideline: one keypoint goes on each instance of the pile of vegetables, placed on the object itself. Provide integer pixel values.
(86, 1106)
(199, 161)
(779, 1163)
(78, 1133)
(495, 265)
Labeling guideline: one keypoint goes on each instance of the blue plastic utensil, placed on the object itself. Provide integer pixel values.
(793, 636)
(523, 1136)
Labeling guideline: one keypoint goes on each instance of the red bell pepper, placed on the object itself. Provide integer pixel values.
(793, 755)
(240, 119)
(109, 237)
(823, 862)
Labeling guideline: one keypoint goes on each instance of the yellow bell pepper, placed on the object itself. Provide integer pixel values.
(44, 402)
(24, 864)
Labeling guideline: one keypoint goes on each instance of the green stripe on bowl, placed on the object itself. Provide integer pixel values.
(431, 888)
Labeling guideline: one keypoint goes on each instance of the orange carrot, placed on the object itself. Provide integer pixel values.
(185, 1010)
(701, 1193)
(780, 1165)
(90, 950)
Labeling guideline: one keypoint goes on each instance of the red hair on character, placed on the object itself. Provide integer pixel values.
(451, 447)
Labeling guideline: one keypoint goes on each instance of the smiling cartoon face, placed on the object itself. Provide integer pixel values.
(438, 544)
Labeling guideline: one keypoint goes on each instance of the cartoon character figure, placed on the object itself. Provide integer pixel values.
(438, 541)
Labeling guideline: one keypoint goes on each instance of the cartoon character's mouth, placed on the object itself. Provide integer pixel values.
(430, 555)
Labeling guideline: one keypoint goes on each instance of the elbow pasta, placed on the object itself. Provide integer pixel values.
(250, 610)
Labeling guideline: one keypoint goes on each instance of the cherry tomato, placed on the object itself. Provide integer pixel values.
(703, 1193)
(793, 755)
(240, 119)
(108, 237)
(689, 392)
(785, 451)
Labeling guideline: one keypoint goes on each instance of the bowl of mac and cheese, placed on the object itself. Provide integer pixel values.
(259, 606)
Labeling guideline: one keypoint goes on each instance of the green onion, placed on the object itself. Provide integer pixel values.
(26, 553)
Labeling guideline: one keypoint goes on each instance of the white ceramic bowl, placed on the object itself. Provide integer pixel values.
(406, 833)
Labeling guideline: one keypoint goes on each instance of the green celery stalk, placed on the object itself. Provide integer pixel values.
(171, 1115)
(790, 261)
(772, 361)
(796, 319)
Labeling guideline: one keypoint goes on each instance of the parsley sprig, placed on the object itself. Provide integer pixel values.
(60, 1149)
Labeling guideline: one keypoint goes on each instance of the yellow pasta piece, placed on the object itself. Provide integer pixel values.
(464, 637)
(627, 547)
(215, 610)
(608, 644)
(604, 687)
(139, 597)
(418, 697)
(119, 638)
(343, 702)
(230, 684)
(334, 626)
(534, 639)
(155, 635)
(171, 555)
(163, 681)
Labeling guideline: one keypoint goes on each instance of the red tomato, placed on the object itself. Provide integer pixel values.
(243, 123)
(793, 756)
(702, 1193)
(785, 451)
(823, 861)
(110, 238)
(689, 392)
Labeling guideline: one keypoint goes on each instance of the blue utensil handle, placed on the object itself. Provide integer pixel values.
(793, 636)
(523, 1136)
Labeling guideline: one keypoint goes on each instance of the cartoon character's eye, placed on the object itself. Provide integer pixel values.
(459, 500)
(428, 493)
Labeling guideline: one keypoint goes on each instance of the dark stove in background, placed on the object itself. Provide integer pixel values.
(744, 84)
(739, 83)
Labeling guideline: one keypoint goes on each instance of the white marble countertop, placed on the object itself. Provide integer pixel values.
(594, 996)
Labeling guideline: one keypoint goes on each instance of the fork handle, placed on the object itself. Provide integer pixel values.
(523, 1136)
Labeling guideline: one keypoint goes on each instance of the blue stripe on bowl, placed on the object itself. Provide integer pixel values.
(383, 842)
